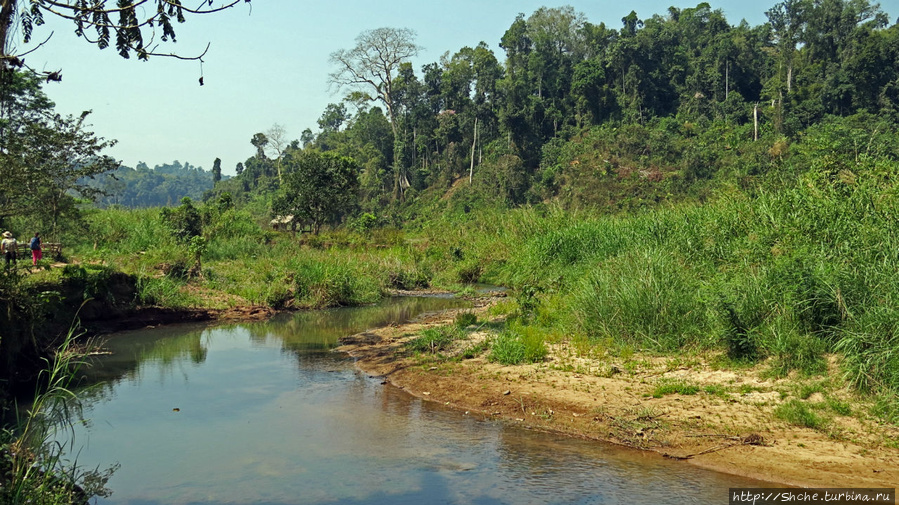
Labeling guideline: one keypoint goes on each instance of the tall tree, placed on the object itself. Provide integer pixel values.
(259, 141)
(44, 156)
(216, 170)
(371, 67)
(276, 142)
(318, 188)
(788, 20)
(334, 116)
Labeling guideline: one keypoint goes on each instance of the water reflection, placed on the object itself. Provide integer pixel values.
(173, 346)
(264, 415)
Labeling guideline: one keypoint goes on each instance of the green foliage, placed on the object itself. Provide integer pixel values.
(184, 221)
(332, 282)
(669, 387)
(740, 342)
(465, 319)
(363, 223)
(870, 345)
(33, 464)
(647, 298)
(44, 156)
(434, 340)
(318, 188)
(162, 291)
(801, 414)
(518, 344)
(159, 186)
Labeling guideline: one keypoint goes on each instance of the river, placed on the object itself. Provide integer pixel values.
(266, 413)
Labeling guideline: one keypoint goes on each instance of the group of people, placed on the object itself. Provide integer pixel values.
(9, 246)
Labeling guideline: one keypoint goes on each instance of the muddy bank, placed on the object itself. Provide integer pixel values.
(143, 317)
(727, 425)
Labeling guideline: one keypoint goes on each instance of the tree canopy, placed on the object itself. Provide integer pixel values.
(319, 188)
(372, 68)
(560, 75)
(45, 157)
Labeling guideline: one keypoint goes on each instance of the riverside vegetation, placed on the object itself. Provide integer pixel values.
(631, 195)
(788, 272)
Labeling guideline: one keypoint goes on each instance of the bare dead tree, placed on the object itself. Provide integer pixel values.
(277, 143)
(371, 67)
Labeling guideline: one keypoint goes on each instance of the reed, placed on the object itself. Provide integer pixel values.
(36, 468)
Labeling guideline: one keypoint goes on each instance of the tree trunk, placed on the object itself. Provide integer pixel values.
(397, 155)
(474, 142)
(7, 10)
(755, 121)
(789, 76)
(726, 80)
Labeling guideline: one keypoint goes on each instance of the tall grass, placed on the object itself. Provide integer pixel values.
(783, 276)
(519, 343)
(35, 465)
(647, 298)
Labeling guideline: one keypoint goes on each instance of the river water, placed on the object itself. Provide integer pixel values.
(265, 413)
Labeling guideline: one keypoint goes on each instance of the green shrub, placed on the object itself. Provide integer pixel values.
(518, 344)
(433, 340)
(465, 319)
(799, 413)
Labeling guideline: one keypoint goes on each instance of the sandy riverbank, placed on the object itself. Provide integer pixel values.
(728, 425)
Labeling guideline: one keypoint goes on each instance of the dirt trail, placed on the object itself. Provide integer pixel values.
(728, 425)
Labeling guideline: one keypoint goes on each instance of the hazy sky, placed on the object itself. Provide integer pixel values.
(268, 63)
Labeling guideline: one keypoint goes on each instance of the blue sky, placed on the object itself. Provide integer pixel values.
(268, 63)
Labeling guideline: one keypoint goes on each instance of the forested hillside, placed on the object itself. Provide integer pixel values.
(163, 185)
(617, 114)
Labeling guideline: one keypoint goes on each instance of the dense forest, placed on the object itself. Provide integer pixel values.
(163, 185)
(656, 109)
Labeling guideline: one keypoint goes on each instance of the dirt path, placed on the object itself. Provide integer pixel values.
(727, 423)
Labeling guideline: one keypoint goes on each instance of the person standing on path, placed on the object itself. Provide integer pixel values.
(35, 245)
(8, 246)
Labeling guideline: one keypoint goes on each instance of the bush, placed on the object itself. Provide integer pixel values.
(465, 319)
(518, 344)
(433, 340)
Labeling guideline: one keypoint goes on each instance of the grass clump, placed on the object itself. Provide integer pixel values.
(800, 413)
(668, 387)
(644, 298)
(715, 390)
(434, 340)
(465, 319)
(329, 281)
(519, 344)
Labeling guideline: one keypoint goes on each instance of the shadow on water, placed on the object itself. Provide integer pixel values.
(301, 332)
